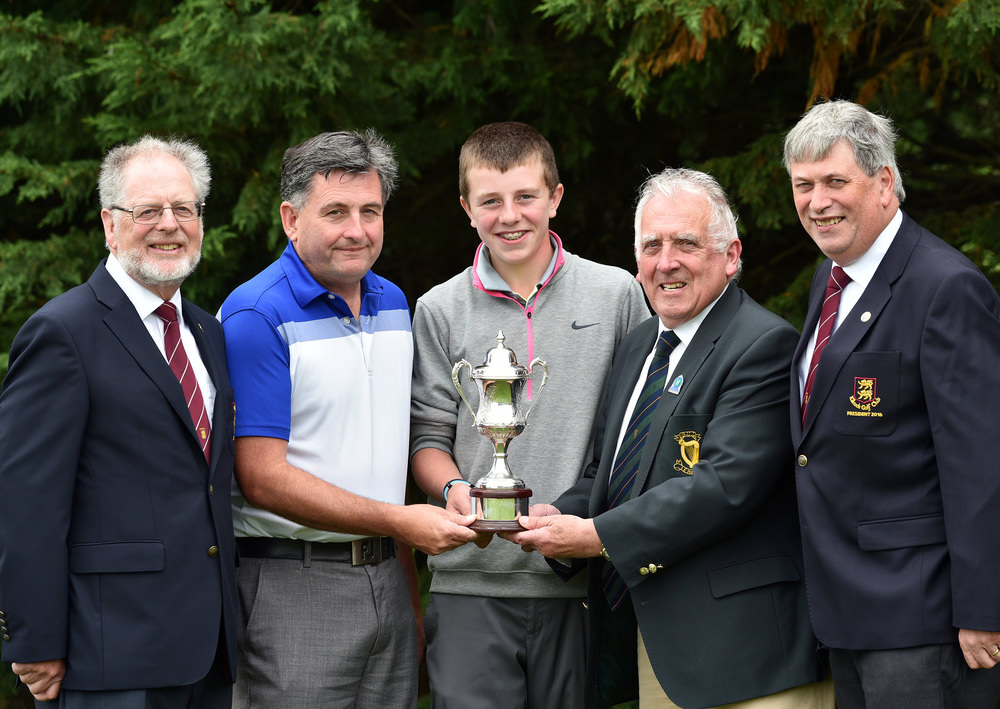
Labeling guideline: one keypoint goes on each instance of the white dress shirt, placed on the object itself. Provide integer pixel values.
(685, 333)
(861, 272)
(146, 302)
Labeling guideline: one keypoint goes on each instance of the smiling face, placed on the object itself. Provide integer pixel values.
(338, 230)
(511, 211)
(840, 207)
(680, 268)
(158, 256)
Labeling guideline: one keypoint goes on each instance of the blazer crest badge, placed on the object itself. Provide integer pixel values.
(865, 397)
(689, 443)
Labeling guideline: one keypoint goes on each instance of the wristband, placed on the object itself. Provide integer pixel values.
(448, 485)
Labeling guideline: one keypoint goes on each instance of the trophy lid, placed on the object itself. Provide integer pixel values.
(500, 363)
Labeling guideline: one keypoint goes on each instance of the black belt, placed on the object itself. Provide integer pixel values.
(370, 550)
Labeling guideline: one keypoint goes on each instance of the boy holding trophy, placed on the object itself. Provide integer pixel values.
(502, 629)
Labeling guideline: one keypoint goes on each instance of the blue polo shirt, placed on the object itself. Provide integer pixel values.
(336, 387)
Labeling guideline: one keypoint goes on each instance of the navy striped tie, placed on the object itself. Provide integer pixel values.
(630, 451)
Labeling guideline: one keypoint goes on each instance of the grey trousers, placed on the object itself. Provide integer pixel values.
(926, 677)
(328, 635)
(505, 653)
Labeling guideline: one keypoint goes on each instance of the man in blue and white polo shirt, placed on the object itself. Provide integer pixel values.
(320, 354)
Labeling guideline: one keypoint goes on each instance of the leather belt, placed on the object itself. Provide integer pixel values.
(360, 552)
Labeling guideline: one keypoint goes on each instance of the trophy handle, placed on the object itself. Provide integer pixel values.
(458, 385)
(537, 361)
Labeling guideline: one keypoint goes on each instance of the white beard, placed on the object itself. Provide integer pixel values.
(150, 273)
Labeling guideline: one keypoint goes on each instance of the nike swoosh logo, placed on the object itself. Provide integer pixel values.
(581, 327)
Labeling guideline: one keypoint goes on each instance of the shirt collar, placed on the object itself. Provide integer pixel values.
(863, 270)
(143, 300)
(686, 331)
(304, 286)
(491, 280)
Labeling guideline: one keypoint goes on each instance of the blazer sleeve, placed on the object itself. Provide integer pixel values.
(960, 375)
(745, 448)
(43, 414)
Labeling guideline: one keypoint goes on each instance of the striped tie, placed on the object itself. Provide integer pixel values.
(630, 451)
(827, 319)
(180, 365)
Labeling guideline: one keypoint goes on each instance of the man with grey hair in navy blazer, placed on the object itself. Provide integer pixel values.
(895, 403)
(117, 559)
(687, 515)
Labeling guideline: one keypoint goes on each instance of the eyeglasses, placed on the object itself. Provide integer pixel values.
(151, 213)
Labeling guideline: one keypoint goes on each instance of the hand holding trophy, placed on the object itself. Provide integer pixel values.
(499, 498)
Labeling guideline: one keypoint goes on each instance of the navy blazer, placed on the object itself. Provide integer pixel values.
(710, 553)
(897, 464)
(116, 537)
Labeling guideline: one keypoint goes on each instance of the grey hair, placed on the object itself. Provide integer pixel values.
(111, 181)
(872, 138)
(349, 151)
(722, 222)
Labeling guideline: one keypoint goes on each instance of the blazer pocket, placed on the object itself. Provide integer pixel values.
(865, 395)
(901, 533)
(768, 570)
(117, 557)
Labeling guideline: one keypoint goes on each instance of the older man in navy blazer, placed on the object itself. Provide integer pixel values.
(895, 429)
(117, 562)
(697, 515)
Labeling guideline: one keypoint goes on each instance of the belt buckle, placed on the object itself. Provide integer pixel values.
(366, 551)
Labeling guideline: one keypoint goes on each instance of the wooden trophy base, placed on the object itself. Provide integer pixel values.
(496, 525)
(519, 505)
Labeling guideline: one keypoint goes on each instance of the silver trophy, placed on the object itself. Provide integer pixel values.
(499, 498)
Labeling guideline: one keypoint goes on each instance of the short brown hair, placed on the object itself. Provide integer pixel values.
(502, 146)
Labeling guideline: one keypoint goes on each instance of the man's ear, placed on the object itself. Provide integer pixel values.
(110, 232)
(289, 221)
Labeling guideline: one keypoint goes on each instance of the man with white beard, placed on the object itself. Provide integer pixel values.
(117, 559)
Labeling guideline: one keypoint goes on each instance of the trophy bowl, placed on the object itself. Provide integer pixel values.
(499, 498)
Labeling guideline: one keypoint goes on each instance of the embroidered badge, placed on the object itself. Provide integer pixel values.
(865, 397)
(675, 386)
(690, 446)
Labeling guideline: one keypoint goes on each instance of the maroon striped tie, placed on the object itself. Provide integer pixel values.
(827, 319)
(180, 365)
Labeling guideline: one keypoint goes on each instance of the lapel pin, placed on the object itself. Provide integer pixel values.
(866, 316)
(675, 387)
